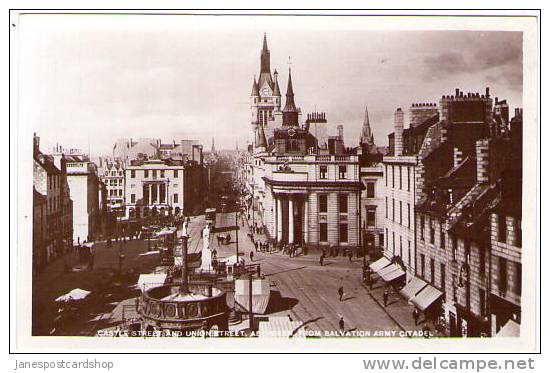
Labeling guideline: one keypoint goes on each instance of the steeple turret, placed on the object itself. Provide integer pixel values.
(255, 89)
(290, 112)
(265, 60)
(367, 138)
(276, 90)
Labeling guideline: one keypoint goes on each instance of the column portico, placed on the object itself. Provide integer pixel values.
(279, 225)
(290, 220)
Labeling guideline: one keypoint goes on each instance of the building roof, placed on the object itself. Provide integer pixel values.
(46, 162)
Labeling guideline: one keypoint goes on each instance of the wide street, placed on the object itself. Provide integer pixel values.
(301, 288)
(310, 292)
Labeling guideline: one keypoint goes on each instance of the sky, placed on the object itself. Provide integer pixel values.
(85, 81)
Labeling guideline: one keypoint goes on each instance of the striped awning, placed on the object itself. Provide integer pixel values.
(386, 270)
(510, 329)
(393, 275)
(426, 297)
(412, 288)
(379, 264)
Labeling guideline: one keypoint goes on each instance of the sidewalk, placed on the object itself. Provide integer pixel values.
(399, 310)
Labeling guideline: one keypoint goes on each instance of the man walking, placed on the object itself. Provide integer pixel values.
(322, 259)
(252, 256)
(350, 256)
(341, 323)
(341, 292)
(386, 296)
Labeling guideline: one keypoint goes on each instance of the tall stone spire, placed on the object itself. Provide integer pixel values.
(290, 112)
(264, 61)
(213, 145)
(367, 138)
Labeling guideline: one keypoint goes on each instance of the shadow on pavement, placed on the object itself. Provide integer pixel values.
(278, 303)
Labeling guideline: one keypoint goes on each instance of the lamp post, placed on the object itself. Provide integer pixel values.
(237, 232)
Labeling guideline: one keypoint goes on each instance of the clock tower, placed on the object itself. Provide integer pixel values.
(265, 98)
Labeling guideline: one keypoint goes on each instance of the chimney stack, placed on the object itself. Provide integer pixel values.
(398, 136)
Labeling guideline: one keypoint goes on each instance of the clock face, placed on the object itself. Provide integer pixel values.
(265, 92)
(291, 132)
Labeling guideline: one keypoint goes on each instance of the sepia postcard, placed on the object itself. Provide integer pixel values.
(293, 181)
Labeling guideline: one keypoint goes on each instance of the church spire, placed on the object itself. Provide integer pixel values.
(367, 138)
(290, 112)
(265, 63)
(213, 146)
(255, 88)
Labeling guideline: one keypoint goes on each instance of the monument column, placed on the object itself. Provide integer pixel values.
(290, 220)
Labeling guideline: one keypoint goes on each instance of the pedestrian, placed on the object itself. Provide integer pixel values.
(426, 330)
(252, 256)
(341, 323)
(350, 256)
(386, 296)
(256, 245)
(321, 259)
(416, 315)
(341, 292)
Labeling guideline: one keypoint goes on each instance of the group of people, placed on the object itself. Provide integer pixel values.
(262, 246)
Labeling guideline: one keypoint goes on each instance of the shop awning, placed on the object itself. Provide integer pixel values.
(426, 297)
(386, 270)
(147, 281)
(510, 329)
(412, 288)
(379, 264)
(395, 274)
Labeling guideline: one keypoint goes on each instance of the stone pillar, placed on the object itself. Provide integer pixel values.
(290, 220)
(279, 234)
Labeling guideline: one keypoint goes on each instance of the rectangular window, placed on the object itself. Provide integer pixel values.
(422, 222)
(408, 179)
(162, 173)
(387, 235)
(370, 190)
(400, 247)
(408, 215)
(175, 197)
(400, 212)
(422, 265)
(154, 174)
(381, 239)
(322, 203)
(502, 228)
(175, 174)
(386, 175)
(441, 236)
(323, 171)
(343, 232)
(393, 209)
(386, 207)
(323, 232)
(467, 250)
(146, 174)
(371, 218)
(393, 242)
(482, 261)
(133, 198)
(432, 271)
(442, 277)
(517, 282)
(400, 178)
(454, 248)
(409, 252)
(502, 275)
(432, 233)
(393, 176)
(343, 203)
(482, 301)
(342, 171)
